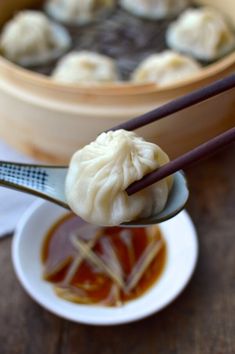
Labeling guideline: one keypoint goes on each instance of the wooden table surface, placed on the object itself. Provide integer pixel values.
(200, 321)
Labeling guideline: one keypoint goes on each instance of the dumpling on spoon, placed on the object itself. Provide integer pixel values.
(166, 68)
(78, 11)
(84, 68)
(202, 33)
(100, 172)
(30, 38)
(154, 9)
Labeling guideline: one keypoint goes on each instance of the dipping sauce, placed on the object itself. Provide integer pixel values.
(103, 266)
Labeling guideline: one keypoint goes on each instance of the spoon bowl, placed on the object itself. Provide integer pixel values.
(176, 202)
(48, 182)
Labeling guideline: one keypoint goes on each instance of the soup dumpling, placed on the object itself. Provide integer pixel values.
(154, 9)
(31, 39)
(78, 11)
(85, 67)
(100, 172)
(165, 68)
(203, 33)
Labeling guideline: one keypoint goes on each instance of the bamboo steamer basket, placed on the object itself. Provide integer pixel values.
(50, 121)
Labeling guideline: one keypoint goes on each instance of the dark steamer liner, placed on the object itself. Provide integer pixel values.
(122, 36)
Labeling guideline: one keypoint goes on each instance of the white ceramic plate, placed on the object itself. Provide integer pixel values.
(182, 249)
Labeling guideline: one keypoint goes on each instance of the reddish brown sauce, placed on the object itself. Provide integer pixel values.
(89, 284)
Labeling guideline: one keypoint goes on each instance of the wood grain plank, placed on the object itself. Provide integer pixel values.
(24, 326)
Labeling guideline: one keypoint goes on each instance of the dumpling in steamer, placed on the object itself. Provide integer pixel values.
(85, 67)
(31, 39)
(78, 11)
(202, 33)
(154, 9)
(165, 68)
(100, 173)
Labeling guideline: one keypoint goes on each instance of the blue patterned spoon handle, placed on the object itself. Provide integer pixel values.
(44, 181)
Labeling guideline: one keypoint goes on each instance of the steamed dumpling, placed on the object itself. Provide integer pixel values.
(202, 33)
(31, 39)
(78, 11)
(100, 173)
(85, 67)
(165, 68)
(154, 9)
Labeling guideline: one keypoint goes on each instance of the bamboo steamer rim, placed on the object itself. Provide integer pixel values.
(119, 89)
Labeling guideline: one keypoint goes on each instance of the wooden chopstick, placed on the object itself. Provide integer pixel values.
(184, 161)
(179, 104)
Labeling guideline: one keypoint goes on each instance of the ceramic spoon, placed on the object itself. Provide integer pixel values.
(48, 183)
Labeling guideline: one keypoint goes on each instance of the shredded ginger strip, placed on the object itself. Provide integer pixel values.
(89, 254)
(142, 264)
